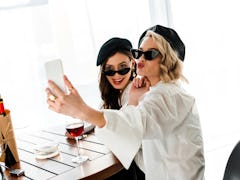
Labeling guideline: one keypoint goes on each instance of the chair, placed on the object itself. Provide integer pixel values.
(232, 170)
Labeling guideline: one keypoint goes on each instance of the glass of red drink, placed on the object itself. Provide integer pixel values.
(76, 129)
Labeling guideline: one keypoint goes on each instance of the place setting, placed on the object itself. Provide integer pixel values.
(46, 150)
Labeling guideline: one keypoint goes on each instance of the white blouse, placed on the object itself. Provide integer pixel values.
(166, 126)
(125, 95)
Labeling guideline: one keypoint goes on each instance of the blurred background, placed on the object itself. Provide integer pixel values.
(35, 31)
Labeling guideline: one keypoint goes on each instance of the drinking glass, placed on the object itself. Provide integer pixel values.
(76, 129)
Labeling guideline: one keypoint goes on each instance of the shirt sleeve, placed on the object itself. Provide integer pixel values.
(122, 134)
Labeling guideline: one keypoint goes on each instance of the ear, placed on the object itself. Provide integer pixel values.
(133, 63)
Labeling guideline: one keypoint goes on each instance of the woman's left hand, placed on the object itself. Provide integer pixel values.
(139, 87)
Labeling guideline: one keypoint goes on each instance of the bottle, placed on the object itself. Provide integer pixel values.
(2, 110)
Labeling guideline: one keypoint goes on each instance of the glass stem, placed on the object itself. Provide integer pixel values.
(77, 146)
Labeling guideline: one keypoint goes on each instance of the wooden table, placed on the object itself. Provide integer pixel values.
(101, 164)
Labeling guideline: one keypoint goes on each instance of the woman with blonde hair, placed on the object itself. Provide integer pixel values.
(161, 117)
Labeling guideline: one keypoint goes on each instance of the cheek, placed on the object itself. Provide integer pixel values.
(109, 79)
(126, 78)
(156, 70)
(151, 69)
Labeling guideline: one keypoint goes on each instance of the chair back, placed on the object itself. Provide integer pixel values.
(232, 170)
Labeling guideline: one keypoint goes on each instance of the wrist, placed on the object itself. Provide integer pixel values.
(132, 102)
(93, 116)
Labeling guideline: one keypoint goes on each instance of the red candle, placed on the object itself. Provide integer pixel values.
(2, 110)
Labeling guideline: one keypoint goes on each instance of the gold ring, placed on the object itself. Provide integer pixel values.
(71, 88)
(52, 97)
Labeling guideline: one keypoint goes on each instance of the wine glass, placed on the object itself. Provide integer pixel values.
(75, 129)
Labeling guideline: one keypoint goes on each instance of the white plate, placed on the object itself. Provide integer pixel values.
(46, 148)
(45, 156)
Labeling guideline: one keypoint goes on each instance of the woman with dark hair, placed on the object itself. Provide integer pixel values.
(117, 70)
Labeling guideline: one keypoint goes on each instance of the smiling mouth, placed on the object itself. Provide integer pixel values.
(117, 81)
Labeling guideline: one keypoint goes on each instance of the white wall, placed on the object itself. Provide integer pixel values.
(210, 30)
(72, 30)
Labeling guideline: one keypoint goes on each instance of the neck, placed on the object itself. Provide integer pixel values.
(121, 91)
(154, 80)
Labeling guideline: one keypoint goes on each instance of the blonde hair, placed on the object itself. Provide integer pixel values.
(170, 65)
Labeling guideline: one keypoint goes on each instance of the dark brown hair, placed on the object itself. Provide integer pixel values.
(110, 95)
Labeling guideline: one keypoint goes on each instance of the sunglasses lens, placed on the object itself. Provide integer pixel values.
(136, 53)
(109, 73)
(123, 71)
(150, 55)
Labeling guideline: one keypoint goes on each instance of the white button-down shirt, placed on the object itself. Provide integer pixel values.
(165, 125)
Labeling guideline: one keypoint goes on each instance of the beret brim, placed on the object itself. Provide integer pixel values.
(110, 47)
(169, 35)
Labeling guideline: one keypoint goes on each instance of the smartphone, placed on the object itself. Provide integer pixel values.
(17, 172)
(54, 72)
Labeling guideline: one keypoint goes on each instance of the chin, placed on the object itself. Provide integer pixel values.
(140, 73)
(119, 87)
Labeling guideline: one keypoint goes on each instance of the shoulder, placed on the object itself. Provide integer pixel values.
(168, 98)
(169, 92)
(169, 89)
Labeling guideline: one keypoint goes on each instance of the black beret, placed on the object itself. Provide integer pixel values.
(112, 46)
(169, 35)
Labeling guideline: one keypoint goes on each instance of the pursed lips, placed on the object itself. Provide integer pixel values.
(140, 65)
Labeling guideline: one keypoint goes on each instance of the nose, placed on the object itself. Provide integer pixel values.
(116, 74)
(141, 58)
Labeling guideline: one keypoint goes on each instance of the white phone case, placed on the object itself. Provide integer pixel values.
(54, 72)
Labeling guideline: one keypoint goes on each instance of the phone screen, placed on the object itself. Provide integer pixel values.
(54, 72)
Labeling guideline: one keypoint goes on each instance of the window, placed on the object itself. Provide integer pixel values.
(35, 31)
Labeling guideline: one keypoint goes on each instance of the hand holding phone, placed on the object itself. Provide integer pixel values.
(54, 72)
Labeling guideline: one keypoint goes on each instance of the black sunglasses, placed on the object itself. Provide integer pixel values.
(112, 72)
(148, 55)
